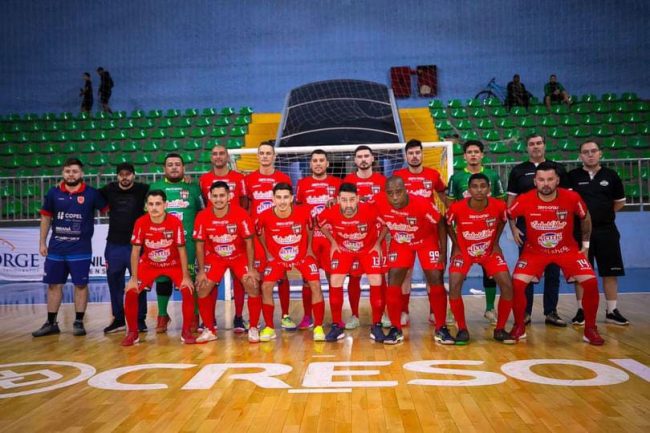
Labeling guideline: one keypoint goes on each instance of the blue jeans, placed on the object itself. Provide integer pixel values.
(118, 260)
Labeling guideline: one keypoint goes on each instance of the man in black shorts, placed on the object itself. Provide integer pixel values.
(602, 190)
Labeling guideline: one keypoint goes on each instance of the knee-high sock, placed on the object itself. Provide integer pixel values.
(195, 296)
(267, 311)
(504, 309)
(319, 312)
(519, 300)
(187, 305)
(131, 310)
(284, 295)
(306, 299)
(458, 308)
(490, 296)
(238, 296)
(163, 294)
(214, 294)
(354, 294)
(438, 304)
(206, 309)
(406, 299)
(590, 301)
(254, 310)
(376, 303)
(336, 303)
(394, 305)
(384, 290)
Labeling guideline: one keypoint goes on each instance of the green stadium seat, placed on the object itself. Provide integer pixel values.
(455, 103)
(436, 104)
(34, 127)
(556, 132)
(48, 116)
(137, 114)
(23, 137)
(498, 112)
(125, 124)
(629, 96)
(570, 120)
(56, 161)
(177, 133)
(526, 122)
(119, 134)
(118, 158)
(47, 149)
(156, 169)
(548, 121)
(12, 209)
(609, 97)
(14, 117)
(218, 132)
(118, 115)
(519, 111)
(52, 126)
(641, 106)
(198, 133)
(80, 136)
(644, 129)
(581, 108)
(443, 125)
(144, 123)
(171, 113)
(234, 143)
(632, 191)
(69, 148)
(639, 143)
(622, 107)
(91, 171)
(171, 145)
(580, 131)
(559, 109)
(439, 114)
(567, 145)
(142, 159)
(8, 191)
(600, 107)
(109, 124)
(469, 135)
(154, 114)
(603, 131)
(185, 122)
(158, 134)
(102, 115)
(33, 162)
(498, 148)
(137, 134)
(227, 111)
(188, 158)
(491, 135)
(151, 146)
(109, 146)
(457, 149)
(464, 125)
(191, 112)
(222, 121)
(41, 137)
(204, 157)
(474, 103)
(613, 143)
(459, 163)
(493, 102)
(246, 111)
(208, 112)
(238, 131)
(590, 97)
(459, 113)
(99, 136)
(538, 110)
(159, 159)
(166, 122)
(60, 137)
(191, 145)
(88, 147)
(98, 160)
(591, 119)
(242, 120)
(510, 134)
(625, 130)
(506, 159)
(202, 122)
(633, 118)
(12, 162)
(130, 146)
(89, 126)
(485, 124)
(520, 147)
(505, 123)
(27, 149)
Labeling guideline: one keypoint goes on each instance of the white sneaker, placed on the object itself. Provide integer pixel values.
(405, 319)
(385, 321)
(491, 316)
(253, 335)
(352, 323)
(206, 336)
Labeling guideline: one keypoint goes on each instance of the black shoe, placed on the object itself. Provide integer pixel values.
(527, 319)
(377, 333)
(47, 329)
(238, 325)
(115, 326)
(554, 319)
(462, 337)
(394, 336)
(78, 329)
(579, 318)
(336, 333)
(443, 336)
(142, 326)
(504, 336)
(616, 318)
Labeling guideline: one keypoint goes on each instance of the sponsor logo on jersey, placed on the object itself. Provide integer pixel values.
(478, 236)
(402, 238)
(81, 199)
(352, 245)
(287, 240)
(232, 228)
(604, 183)
(393, 227)
(224, 250)
(548, 225)
(318, 199)
(223, 239)
(288, 254)
(179, 203)
(262, 195)
(479, 249)
(69, 216)
(549, 240)
(154, 245)
(264, 206)
(159, 256)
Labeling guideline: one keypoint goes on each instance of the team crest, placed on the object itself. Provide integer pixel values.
(491, 222)
(81, 199)
(375, 189)
(412, 221)
(363, 228)
(392, 257)
(232, 229)
(428, 184)
(267, 271)
(335, 264)
(521, 264)
(297, 229)
(185, 194)
(331, 191)
(458, 263)
(355, 266)
(562, 215)
(168, 234)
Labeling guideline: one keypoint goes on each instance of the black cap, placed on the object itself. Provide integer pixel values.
(125, 166)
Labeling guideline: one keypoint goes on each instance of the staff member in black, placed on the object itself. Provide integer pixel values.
(126, 202)
(520, 181)
(602, 190)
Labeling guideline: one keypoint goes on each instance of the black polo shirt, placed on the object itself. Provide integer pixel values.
(599, 193)
(126, 206)
(521, 177)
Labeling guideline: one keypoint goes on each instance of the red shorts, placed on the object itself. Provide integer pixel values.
(147, 274)
(217, 266)
(276, 270)
(321, 248)
(492, 264)
(368, 263)
(403, 256)
(573, 264)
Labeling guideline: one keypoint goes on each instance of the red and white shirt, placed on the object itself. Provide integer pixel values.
(316, 194)
(412, 224)
(476, 231)
(159, 242)
(549, 225)
(223, 237)
(234, 179)
(421, 184)
(259, 189)
(286, 238)
(369, 188)
(357, 234)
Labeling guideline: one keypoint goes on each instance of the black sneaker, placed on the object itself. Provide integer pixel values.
(504, 336)
(527, 319)
(47, 329)
(462, 337)
(394, 336)
(142, 326)
(616, 318)
(554, 319)
(579, 318)
(115, 326)
(336, 333)
(377, 333)
(443, 336)
(78, 329)
(238, 325)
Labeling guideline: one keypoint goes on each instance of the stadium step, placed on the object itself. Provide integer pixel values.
(416, 123)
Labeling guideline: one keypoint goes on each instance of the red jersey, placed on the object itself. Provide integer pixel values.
(259, 189)
(421, 184)
(315, 194)
(549, 225)
(223, 237)
(367, 189)
(412, 224)
(234, 179)
(476, 231)
(286, 238)
(159, 242)
(357, 234)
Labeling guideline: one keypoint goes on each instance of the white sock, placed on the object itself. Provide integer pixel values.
(611, 306)
(579, 302)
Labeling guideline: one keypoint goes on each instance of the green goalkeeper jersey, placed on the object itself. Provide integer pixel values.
(459, 182)
(183, 201)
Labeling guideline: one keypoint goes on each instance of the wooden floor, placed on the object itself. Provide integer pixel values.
(231, 405)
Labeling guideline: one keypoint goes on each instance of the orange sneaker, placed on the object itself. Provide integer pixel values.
(162, 323)
(593, 337)
(132, 337)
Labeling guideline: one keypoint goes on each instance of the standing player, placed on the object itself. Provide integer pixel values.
(369, 184)
(285, 232)
(475, 225)
(351, 228)
(259, 187)
(420, 181)
(69, 209)
(224, 240)
(602, 190)
(549, 215)
(317, 192)
(158, 249)
(415, 229)
(459, 189)
(220, 171)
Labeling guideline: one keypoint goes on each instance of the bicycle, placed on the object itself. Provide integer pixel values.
(492, 91)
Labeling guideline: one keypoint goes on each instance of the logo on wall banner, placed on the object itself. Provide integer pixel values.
(81, 199)
(562, 215)
(363, 228)
(232, 228)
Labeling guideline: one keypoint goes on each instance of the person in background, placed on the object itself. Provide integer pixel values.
(555, 92)
(517, 94)
(105, 89)
(86, 94)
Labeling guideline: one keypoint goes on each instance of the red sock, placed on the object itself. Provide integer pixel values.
(406, 298)
(131, 310)
(503, 312)
(213, 301)
(284, 295)
(376, 303)
(590, 301)
(384, 289)
(394, 305)
(207, 311)
(336, 303)
(319, 311)
(267, 311)
(458, 308)
(254, 310)
(187, 305)
(238, 295)
(519, 300)
(438, 304)
(354, 294)
(306, 299)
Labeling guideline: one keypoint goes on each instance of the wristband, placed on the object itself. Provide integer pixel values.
(585, 245)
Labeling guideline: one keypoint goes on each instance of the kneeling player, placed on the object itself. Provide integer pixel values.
(474, 226)
(285, 233)
(159, 236)
(351, 228)
(224, 240)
